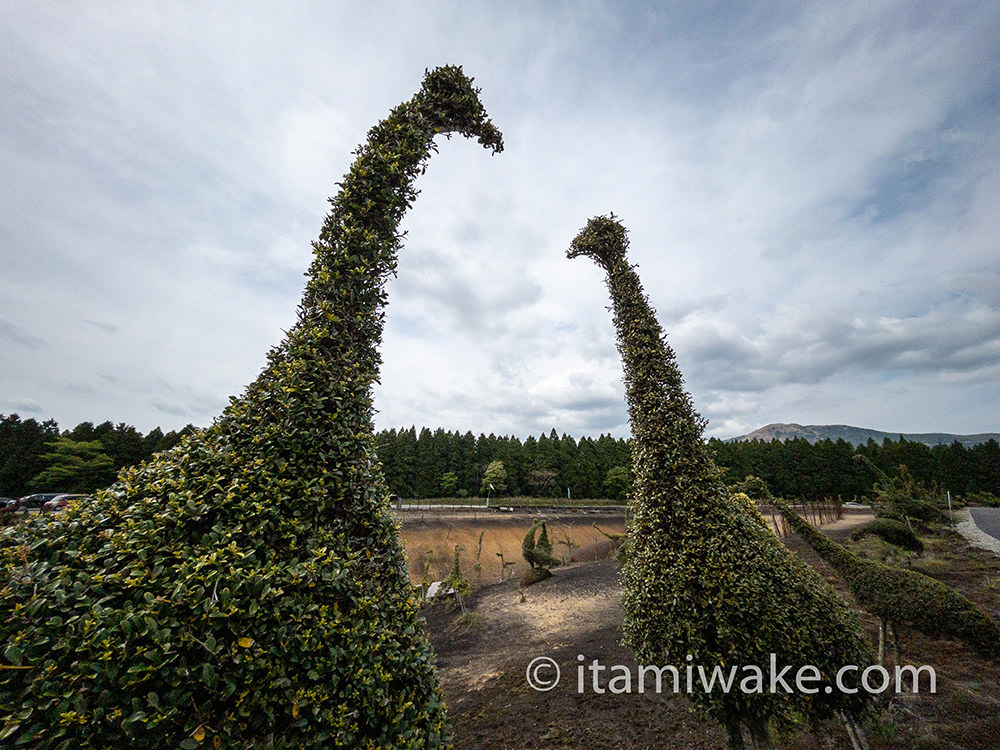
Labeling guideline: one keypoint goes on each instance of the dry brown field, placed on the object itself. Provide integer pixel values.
(433, 534)
(483, 654)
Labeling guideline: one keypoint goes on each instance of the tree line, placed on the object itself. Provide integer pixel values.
(812, 471)
(439, 463)
(423, 464)
(39, 457)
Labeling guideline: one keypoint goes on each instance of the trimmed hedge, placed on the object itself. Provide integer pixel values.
(247, 589)
(706, 582)
(892, 531)
(903, 597)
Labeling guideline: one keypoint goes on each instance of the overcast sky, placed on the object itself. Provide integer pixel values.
(812, 191)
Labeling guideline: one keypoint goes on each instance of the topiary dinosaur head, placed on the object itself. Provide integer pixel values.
(449, 103)
(604, 239)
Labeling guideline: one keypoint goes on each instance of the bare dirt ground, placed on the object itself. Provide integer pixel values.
(483, 657)
(430, 538)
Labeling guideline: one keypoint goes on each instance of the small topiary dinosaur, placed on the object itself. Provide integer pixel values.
(538, 553)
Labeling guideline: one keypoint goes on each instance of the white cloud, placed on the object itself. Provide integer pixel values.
(811, 192)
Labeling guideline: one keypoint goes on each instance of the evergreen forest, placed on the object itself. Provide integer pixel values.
(425, 463)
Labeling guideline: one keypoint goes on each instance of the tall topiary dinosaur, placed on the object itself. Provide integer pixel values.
(902, 597)
(247, 589)
(705, 582)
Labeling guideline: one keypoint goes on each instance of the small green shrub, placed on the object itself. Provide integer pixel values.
(912, 509)
(985, 499)
(455, 581)
(892, 531)
(903, 498)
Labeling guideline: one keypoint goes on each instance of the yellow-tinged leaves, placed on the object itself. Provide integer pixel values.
(241, 521)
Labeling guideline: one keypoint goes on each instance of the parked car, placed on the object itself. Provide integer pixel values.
(9, 504)
(37, 501)
(61, 501)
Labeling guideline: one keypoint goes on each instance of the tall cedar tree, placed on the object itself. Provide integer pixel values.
(705, 582)
(247, 588)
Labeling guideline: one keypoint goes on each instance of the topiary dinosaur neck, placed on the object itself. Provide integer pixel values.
(317, 383)
(259, 553)
(667, 431)
(699, 579)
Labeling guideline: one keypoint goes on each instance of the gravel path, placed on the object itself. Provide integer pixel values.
(981, 526)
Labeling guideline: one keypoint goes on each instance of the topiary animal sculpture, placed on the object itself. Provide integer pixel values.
(706, 582)
(892, 531)
(248, 587)
(901, 498)
(538, 553)
(903, 597)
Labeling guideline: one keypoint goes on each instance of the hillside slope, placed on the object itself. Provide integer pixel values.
(858, 435)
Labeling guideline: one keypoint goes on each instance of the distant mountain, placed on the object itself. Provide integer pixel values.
(858, 435)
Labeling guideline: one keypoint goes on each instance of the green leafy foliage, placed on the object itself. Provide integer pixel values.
(538, 552)
(494, 478)
(618, 483)
(903, 597)
(22, 445)
(449, 482)
(805, 470)
(416, 462)
(74, 466)
(37, 457)
(455, 581)
(248, 587)
(902, 498)
(892, 531)
(980, 498)
(753, 487)
(704, 579)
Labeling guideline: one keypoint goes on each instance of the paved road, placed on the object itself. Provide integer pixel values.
(988, 520)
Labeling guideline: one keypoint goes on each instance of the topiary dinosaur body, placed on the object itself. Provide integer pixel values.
(705, 582)
(903, 597)
(247, 589)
